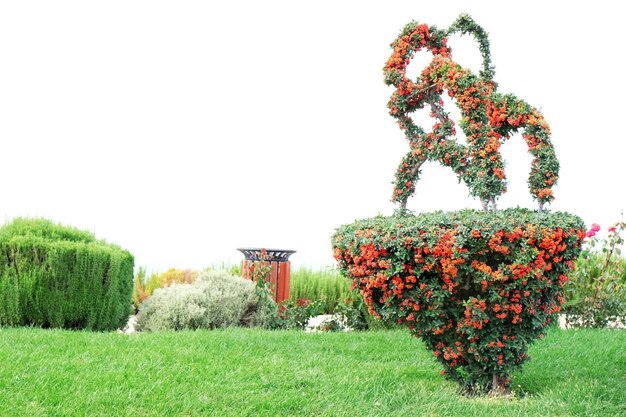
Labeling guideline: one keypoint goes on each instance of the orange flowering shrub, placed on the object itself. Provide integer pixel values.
(488, 118)
(477, 287)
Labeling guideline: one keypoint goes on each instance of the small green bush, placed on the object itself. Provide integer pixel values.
(596, 291)
(296, 314)
(58, 276)
(214, 300)
(144, 286)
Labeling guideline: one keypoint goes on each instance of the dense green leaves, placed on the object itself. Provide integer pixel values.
(57, 276)
(214, 300)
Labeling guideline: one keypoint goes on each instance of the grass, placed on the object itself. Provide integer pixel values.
(317, 284)
(245, 372)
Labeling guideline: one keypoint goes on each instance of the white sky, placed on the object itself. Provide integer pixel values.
(183, 130)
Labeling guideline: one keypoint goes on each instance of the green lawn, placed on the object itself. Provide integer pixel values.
(243, 372)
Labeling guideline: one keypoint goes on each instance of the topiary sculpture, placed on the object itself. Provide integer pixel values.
(477, 286)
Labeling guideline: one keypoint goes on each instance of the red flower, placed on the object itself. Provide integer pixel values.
(303, 302)
(612, 229)
(595, 228)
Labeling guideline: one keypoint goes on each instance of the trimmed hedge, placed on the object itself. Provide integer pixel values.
(478, 287)
(57, 276)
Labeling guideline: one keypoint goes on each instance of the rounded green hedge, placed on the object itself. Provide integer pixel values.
(57, 276)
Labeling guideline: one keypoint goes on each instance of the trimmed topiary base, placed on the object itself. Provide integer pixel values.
(478, 287)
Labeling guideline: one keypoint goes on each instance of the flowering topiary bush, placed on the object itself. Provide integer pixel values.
(488, 118)
(477, 286)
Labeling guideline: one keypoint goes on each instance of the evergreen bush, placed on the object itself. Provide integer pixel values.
(58, 276)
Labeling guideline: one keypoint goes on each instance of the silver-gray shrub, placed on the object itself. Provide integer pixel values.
(215, 300)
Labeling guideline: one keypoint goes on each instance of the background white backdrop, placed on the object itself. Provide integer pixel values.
(183, 130)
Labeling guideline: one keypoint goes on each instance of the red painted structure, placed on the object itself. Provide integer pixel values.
(280, 274)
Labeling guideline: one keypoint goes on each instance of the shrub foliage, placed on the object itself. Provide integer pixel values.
(596, 293)
(57, 276)
(144, 286)
(214, 300)
(478, 287)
